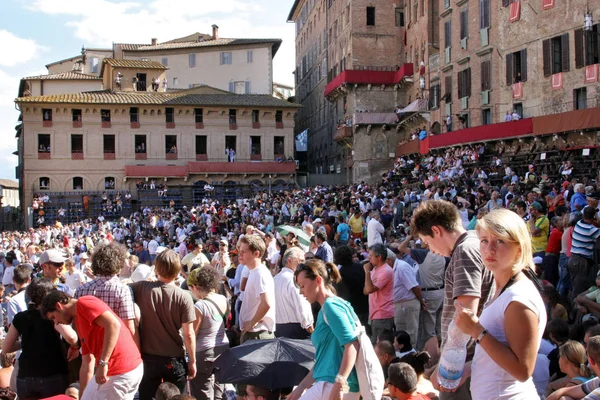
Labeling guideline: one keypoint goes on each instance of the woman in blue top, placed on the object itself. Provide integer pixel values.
(333, 376)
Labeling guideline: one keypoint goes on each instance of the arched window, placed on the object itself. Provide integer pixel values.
(77, 183)
(109, 183)
(44, 183)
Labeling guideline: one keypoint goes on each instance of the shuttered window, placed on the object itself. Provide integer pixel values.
(447, 34)
(464, 24)
(464, 83)
(486, 75)
(556, 54)
(592, 45)
(509, 69)
(516, 67)
(448, 89)
(484, 14)
(579, 61)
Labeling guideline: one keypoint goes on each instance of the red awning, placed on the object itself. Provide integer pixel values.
(568, 121)
(369, 77)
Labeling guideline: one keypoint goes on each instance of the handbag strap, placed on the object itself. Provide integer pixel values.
(222, 314)
(358, 326)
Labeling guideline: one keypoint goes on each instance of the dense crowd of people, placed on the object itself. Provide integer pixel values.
(113, 308)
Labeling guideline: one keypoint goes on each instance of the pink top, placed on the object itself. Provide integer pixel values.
(381, 302)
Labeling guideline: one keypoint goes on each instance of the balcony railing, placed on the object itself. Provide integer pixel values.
(141, 156)
(199, 125)
(201, 157)
(256, 125)
(106, 124)
(109, 155)
(44, 155)
(77, 124)
(171, 156)
(170, 125)
(233, 126)
(135, 125)
(77, 155)
(47, 124)
(256, 157)
(279, 125)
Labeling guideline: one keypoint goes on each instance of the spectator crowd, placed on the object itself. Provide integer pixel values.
(143, 304)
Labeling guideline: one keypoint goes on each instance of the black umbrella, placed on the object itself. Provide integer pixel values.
(272, 364)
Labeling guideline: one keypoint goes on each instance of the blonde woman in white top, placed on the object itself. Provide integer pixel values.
(510, 328)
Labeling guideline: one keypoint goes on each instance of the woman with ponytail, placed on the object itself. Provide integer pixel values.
(509, 331)
(333, 376)
(572, 359)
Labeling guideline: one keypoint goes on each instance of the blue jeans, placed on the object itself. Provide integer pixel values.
(564, 279)
(41, 387)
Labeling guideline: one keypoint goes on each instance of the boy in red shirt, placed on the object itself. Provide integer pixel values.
(104, 338)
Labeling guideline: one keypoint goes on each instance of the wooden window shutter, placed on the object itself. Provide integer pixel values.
(447, 34)
(483, 72)
(547, 57)
(579, 49)
(509, 69)
(468, 81)
(564, 45)
(448, 89)
(524, 65)
(460, 85)
(463, 24)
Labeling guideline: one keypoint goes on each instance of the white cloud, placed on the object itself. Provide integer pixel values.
(16, 50)
(101, 22)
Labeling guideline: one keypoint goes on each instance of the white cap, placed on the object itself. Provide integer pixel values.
(538, 260)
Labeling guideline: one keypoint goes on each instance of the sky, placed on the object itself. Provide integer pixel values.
(34, 33)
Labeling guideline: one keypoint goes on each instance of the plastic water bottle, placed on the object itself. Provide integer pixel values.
(452, 361)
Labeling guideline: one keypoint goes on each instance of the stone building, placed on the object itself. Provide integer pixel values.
(238, 65)
(530, 57)
(363, 75)
(73, 147)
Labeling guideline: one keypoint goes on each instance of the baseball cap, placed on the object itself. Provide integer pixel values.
(317, 220)
(84, 255)
(537, 206)
(53, 256)
(538, 260)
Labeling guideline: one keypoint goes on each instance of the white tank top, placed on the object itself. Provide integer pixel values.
(488, 380)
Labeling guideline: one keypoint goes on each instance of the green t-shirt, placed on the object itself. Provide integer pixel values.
(329, 339)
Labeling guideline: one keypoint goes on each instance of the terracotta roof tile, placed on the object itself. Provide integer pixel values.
(172, 98)
(134, 64)
(64, 76)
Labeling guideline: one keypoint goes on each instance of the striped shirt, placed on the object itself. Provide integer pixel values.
(591, 389)
(113, 292)
(584, 238)
(291, 307)
(465, 276)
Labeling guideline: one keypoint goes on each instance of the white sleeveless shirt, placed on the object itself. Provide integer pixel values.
(488, 380)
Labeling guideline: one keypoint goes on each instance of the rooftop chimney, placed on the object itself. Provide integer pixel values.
(215, 34)
(153, 41)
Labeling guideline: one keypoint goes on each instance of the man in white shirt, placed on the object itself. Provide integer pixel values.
(257, 314)
(293, 312)
(375, 229)
(152, 246)
(195, 257)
